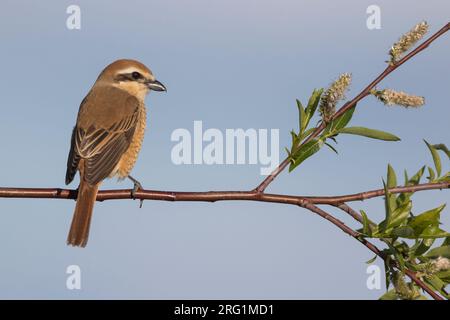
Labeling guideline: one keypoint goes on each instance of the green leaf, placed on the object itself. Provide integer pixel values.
(302, 117)
(443, 148)
(443, 251)
(293, 136)
(313, 103)
(331, 147)
(391, 183)
(343, 119)
(398, 256)
(446, 242)
(400, 214)
(444, 275)
(387, 204)
(445, 177)
(370, 133)
(306, 133)
(433, 232)
(436, 158)
(431, 175)
(403, 232)
(304, 152)
(366, 224)
(436, 283)
(391, 177)
(389, 295)
(372, 260)
(387, 271)
(421, 247)
(415, 179)
(428, 218)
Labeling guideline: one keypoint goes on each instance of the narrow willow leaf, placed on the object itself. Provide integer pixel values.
(443, 148)
(443, 251)
(306, 133)
(343, 119)
(445, 177)
(398, 256)
(302, 118)
(387, 204)
(389, 295)
(403, 232)
(366, 224)
(331, 147)
(433, 232)
(431, 175)
(436, 158)
(428, 218)
(400, 214)
(415, 179)
(288, 153)
(392, 183)
(391, 177)
(305, 151)
(313, 102)
(387, 271)
(372, 260)
(436, 284)
(421, 247)
(370, 133)
(295, 142)
(293, 135)
(446, 242)
(444, 275)
(327, 132)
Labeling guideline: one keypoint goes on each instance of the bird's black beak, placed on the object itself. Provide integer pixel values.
(155, 85)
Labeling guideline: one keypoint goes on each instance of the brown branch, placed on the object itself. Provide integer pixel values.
(411, 274)
(365, 92)
(350, 211)
(379, 192)
(212, 196)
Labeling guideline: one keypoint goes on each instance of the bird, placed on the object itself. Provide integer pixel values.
(107, 136)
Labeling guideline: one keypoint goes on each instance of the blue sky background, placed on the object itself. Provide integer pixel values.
(231, 64)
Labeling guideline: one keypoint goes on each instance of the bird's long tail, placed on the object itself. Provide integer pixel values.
(79, 229)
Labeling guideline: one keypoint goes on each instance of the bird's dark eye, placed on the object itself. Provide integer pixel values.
(136, 75)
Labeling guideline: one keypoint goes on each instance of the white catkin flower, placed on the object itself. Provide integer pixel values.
(391, 97)
(408, 40)
(441, 264)
(333, 95)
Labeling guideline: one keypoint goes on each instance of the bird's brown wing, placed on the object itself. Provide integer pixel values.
(73, 159)
(102, 143)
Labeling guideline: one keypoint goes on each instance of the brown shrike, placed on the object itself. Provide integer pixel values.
(108, 136)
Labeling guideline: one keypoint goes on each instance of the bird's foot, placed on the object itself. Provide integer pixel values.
(136, 186)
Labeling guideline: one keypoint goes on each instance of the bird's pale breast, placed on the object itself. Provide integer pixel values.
(127, 161)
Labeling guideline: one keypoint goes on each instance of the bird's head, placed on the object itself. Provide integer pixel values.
(131, 76)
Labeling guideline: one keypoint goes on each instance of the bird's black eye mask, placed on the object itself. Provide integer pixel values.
(132, 76)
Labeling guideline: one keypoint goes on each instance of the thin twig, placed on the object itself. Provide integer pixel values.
(212, 196)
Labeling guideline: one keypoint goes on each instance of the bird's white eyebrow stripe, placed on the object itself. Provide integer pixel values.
(129, 70)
